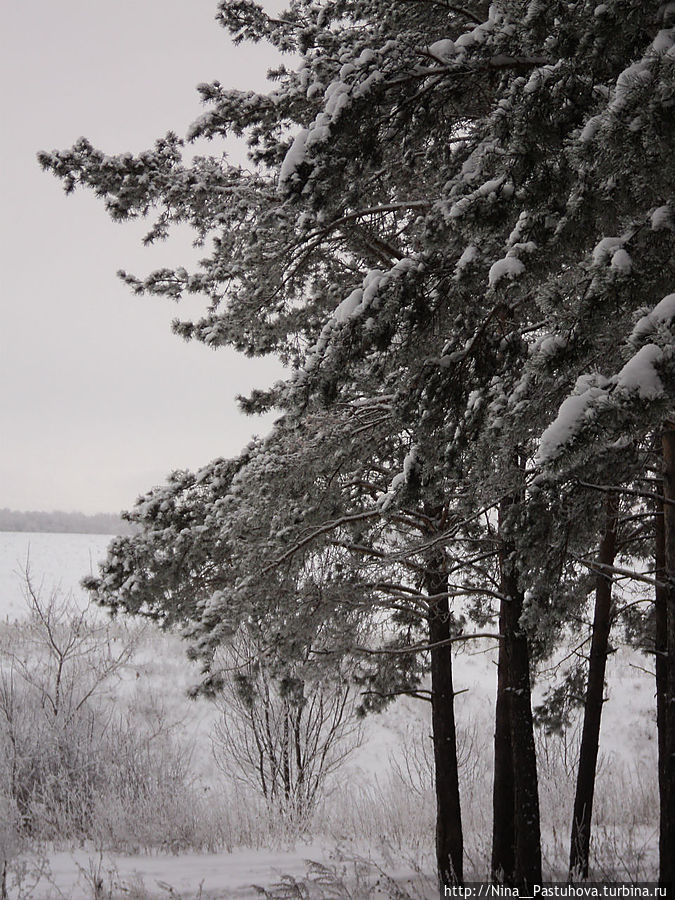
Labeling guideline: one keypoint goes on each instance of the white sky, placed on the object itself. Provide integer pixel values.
(98, 400)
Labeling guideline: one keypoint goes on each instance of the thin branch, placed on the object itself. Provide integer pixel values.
(315, 239)
(421, 648)
(499, 61)
(317, 532)
(604, 569)
(419, 694)
(613, 489)
(642, 669)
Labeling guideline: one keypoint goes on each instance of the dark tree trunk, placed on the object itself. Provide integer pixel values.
(668, 780)
(527, 863)
(525, 870)
(503, 835)
(449, 839)
(661, 658)
(595, 687)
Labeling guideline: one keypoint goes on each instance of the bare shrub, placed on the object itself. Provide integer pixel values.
(283, 735)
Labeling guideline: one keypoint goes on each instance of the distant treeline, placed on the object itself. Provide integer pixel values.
(68, 522)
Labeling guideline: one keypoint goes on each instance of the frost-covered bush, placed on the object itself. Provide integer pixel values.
(77, 763)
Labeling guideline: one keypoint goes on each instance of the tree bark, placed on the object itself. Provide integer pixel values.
(661, 665)
(449, 838)
(668, 778)
(595, 686)
(525, 870)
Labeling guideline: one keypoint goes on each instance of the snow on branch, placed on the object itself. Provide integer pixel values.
(662, 314)
(640, 378)
(354, 306)
(630, 84)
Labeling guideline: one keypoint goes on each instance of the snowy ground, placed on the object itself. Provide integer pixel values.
(224, 876)
(230, 875)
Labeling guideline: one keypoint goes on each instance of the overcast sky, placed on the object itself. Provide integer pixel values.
(98, 400)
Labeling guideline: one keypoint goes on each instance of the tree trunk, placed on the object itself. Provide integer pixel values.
(661, 660)
(525, 870)
(286, 760)
(449, 839)
(668, 782)
(527, 863)
(590, 736)
(503, 835)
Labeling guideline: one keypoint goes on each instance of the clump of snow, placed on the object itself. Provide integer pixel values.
(534, 82)
(521, 224)
(639, 378)
(348, 307)
(385, 499)
(633, 77)
(362, 89)
(524, 247)
(336, 96)
(549, 346)
(664, 42)
(409, 463)
(469, 255)
(622, 262)
(637, 74)
(575, 412)
(443, 49)
(662, 219)
(366, 56)
(372, 402)
(640, 375)
(294, 158)
(662, 314)
(605, 249)
(508, 267)
(590, 129)
(458, 209)
(473, 403)
(491, 186)
(664, 311)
